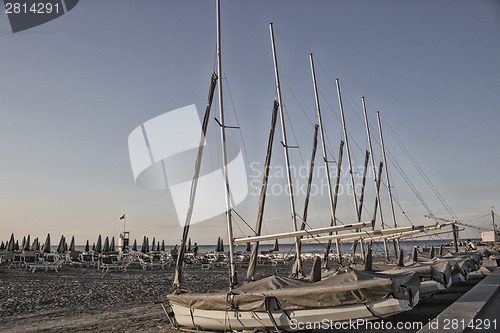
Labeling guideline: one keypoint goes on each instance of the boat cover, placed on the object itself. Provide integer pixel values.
(439, 271)
(341, 288)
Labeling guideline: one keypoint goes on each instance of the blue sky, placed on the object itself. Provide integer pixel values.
(73, 89)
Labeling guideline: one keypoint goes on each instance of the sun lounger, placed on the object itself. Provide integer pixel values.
(46, 265)
(153, 261)
(6, 260)
(122, 265)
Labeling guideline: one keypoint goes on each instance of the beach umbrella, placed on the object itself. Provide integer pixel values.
(11, 246)
(153, 244)
(189, 245)
(105, 248)
(16, 247)
(162, 246)
(65, 245)
(143, 246)
(217, 248)
(276, 246)
(87, 247)
(2, 247)
(112, 245)
(26, 246)
(147, 244)
(60, 247)
(134, 247)
(98, 246)
(221, 245)
(23, 244)
(72, 244)
(93, 247)
(46, 245)
(36, 245)
(247, 249)
(158, 246)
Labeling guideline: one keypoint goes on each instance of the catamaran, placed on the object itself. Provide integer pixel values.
(280, 302)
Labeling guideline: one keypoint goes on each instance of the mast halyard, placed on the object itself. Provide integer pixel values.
(297, 267)
(232, 279)
(333, 221)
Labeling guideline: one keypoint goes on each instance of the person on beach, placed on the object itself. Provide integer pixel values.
(195, 249)
(470, 246)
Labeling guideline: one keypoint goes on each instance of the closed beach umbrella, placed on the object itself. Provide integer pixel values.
(276, 246)
(46, 245)
(93, 247)
(16, 246)
(162, 246)
(217, 248)
(98, 246)
(60, 247)
(36, 245)
(247, 248)
(87, 247)
(158, 247)
(12, 244)
(106, 245)
(72, 244)
(2, 247)
(147, 244)
(26, 246)
(134, 247)
(153, 245)
(189, 245)
(143, 247)
(23, 244)
(112, 245)
(221, 245)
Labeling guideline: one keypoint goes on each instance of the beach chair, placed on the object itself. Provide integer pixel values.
(106, 264)
(7, 260)
(29, 258)
(74, 258)
(87, 259)
(46, 265)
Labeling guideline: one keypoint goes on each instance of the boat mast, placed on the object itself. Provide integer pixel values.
(309, 182)
(232, 279)
(333, 220)
(297, 267)
(194, 184)
(262, 199)
(396, 242)
(358, 215)
(377, 182)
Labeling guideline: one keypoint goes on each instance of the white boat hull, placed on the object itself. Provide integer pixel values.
(250, 320)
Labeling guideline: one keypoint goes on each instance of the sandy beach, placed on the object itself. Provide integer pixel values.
(78, 299)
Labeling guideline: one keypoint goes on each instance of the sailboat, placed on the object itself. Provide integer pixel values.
(282, 302)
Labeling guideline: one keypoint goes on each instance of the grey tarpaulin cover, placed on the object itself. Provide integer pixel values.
(342, 288)
(439, 271)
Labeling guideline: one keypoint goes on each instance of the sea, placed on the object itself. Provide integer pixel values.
(319, 248)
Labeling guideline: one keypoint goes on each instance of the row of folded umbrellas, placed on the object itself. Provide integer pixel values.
(99, 247)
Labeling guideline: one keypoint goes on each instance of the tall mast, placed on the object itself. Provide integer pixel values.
(262, 199)
(297, 268)
(358, 216)
(233, 280)
(377, 183)
(396, 243)
(333, 220)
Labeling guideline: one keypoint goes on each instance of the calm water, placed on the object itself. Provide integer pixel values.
(378, 247)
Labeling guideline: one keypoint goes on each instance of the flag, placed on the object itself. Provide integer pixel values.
(123, 217)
